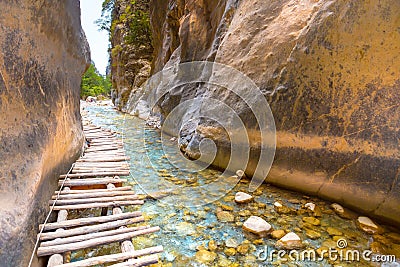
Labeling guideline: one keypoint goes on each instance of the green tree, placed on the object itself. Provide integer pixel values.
(94, 84)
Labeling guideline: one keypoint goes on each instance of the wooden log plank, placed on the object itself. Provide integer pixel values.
(61, 202)
(109, 159)
(100, 171)
(103, 149)
(99, 205)
(91, 228)
(114, 257)
(79, 238)
(90, 181)
(88, 221)
(143, 261)
(44, 251)
(96, 194)
(123, 188)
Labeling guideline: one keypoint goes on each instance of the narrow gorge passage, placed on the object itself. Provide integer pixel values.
(257, 133)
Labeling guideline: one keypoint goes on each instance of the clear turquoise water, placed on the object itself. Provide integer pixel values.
(185, 229)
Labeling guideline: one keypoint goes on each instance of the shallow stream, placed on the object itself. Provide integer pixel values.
(196, 236)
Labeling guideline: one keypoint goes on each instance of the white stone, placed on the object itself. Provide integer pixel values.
(242, 197)
(367, 225)
(289, 241)
(257, 225)
(310, 206)
(231, 243)
(240, 174)
(337, 208)
(278, 205)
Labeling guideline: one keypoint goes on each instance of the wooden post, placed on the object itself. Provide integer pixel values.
(126, 246)
(58, 259)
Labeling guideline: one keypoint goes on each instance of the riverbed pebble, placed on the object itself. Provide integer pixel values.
(289, 241)
(367, 225)
(242, 197)
(257, 226)
(278, 234)
(205, 256)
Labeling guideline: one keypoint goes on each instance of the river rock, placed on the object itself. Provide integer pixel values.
(225, 216)
(257, 225)
(205, 256)
(185, 228)
(240, 174)
(278, 234)
(312, 234)
(212, 245)
(333, 231)
(312, 221)
(230, 251)
(289, 241)
(231, 243)
(367, 225)
(281, 208)
(242, 197)
(243, 248)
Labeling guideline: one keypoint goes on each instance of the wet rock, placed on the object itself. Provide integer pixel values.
(223, 261)
(185, 228)
(225, 216)
(257, 225)
(243, 248)
(322, 252)
(294, 201)
(244, 213)
(258, 242)
(281, 209)
(231, 243)
(333, 231)
(312, 234)
(205, 256)
(289, 241)
(227, 207)
(310, 206)
(314, 209)
(212, 245)
(230, 251)
(312, 221)
(367, 225)
(242, 197)
(240, 174)
(342, 212)
(278, 234)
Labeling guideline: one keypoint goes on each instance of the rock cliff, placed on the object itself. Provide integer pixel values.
(330, 71)
(43, 53)
(131, 51)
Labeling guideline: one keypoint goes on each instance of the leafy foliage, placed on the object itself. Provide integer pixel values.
(94, 84)
(134, 15)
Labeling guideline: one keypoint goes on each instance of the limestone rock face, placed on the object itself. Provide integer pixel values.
(330, 72)
(130, 59)
(43, 54)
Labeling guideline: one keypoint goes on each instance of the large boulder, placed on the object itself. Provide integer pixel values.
(43, 54)
(330, 72)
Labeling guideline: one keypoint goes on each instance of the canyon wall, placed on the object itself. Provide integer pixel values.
(43, 53)
(330, 71)
(131, 52)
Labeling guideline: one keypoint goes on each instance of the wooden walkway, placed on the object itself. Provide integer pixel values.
(94, 182)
